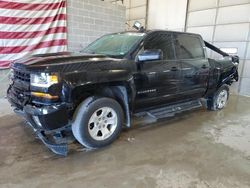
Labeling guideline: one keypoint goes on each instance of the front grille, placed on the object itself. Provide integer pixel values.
(21, 75)
(19, 91)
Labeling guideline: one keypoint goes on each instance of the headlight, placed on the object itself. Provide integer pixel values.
(43, 80)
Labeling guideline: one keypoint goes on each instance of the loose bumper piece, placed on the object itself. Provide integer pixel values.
(60, 149)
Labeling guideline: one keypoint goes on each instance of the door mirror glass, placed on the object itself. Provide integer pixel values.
(150, 55)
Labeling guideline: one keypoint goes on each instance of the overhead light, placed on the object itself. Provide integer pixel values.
(230, 50)
(138, 26)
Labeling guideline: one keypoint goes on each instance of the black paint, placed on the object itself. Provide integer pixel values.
(148, 83)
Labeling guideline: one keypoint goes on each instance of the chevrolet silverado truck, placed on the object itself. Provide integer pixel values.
(93, 94)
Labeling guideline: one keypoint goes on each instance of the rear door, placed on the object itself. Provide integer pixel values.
(157, 82)
(190, 53)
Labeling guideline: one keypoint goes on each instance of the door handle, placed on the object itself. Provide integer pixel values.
(174, 69)
(204, 66)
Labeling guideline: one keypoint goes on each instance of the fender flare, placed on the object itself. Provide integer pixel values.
(121, 94)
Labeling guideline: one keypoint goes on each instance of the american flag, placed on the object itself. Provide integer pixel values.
(30, 27)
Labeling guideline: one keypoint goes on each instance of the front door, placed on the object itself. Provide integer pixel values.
(157, 82)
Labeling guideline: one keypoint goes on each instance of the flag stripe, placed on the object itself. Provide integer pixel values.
(51, 49)
(34, 1)
(29, 6)
(5, 63)
(31, 41)
(30, 21)
(25, 35)
(29, 27)
(18, 49)
(29, 13)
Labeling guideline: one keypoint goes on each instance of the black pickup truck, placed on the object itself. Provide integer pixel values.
(92, 95)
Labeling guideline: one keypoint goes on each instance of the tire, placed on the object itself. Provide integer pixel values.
(219, 100)
(97, 122)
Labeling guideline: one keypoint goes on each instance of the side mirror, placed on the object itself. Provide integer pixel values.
(150, 55)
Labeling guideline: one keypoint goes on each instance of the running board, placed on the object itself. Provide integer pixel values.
(170, 111)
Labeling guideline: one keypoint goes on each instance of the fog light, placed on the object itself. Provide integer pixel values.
(43, 95)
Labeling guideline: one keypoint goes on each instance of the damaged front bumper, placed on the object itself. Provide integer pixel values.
(39, 119)
(49, 121)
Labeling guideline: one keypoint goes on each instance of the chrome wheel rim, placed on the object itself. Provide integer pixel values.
(222, 99)
(102, 124)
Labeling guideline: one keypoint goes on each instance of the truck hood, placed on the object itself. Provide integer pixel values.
(68, 62)
(54, 58)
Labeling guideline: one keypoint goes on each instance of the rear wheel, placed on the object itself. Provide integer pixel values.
(97, 122)
(219, 100)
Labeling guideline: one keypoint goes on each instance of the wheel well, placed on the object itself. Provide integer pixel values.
(117, 92)
(228, 77)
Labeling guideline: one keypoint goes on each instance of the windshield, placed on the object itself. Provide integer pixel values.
(114, 44)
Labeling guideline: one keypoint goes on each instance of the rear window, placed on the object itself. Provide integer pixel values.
(188, 46)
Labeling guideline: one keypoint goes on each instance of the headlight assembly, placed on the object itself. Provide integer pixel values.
(43, 80)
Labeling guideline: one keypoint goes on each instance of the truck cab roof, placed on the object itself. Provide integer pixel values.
(146, 32)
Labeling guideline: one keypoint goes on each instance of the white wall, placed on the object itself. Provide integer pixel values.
(225, 23)
(136, 10)
(167, 14)
(162, 14)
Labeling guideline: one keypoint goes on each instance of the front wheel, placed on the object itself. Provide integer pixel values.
(97, 122)
(219, 100)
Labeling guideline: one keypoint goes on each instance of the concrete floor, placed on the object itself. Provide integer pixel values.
(195, 149)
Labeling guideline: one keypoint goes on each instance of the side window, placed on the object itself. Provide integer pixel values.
(162, 41)
(188, 47)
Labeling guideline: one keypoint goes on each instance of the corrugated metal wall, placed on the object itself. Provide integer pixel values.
(225, 23)
(167, 14)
